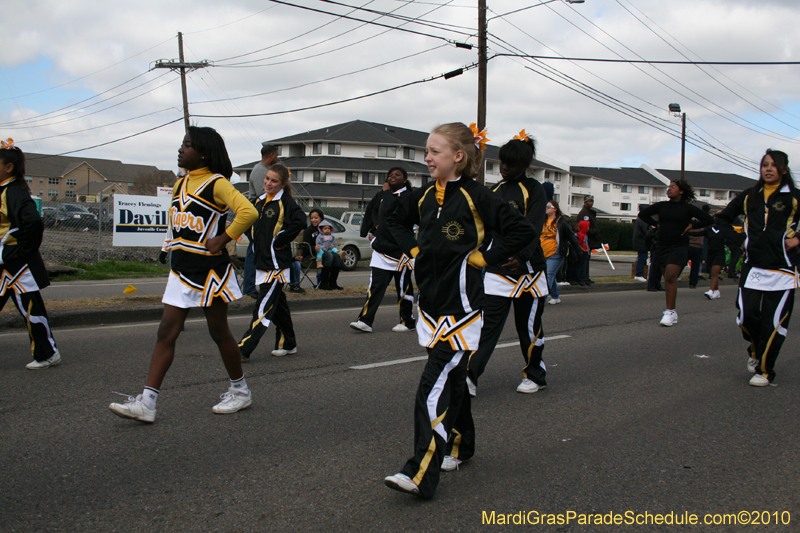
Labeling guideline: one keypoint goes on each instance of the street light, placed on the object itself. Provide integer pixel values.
(675, 109)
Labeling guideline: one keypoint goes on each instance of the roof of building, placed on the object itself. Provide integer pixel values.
(711, 180)
(340, 191)
(360, 131)
(624, 176)
(44, 165)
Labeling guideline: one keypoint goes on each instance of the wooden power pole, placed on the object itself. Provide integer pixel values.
(182, 67)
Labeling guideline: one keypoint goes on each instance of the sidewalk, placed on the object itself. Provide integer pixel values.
(152, 313)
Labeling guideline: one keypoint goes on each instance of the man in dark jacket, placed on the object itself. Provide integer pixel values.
(595, 240)
(640, 228)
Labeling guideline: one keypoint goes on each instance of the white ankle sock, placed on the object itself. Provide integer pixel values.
(239, 385)
(150, 397)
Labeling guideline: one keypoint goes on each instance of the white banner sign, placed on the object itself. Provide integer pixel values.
(140, 220)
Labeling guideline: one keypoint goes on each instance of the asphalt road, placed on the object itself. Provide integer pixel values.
(633, 419)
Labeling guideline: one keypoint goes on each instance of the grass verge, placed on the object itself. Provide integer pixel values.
(115, 269)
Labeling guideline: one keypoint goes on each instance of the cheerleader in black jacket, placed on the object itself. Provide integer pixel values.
(522, 281)
(454, 214)
(280, 220)
(771, 209)
(22, 271)
(388, 261)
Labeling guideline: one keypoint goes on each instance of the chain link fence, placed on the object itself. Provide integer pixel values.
(83, 233)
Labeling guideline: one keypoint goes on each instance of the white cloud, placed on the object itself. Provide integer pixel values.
(82, 37)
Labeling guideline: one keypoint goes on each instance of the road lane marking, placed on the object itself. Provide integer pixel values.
(414, 359)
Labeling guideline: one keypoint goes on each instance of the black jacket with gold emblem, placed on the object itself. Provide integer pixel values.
(21, 231)
(766, 225)
(448, 234)
(527, 196)
(279, 221)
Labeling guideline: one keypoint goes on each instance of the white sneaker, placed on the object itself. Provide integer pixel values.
(712, 295)
(280, 352)
(670, 318)
(752, 365)
(759, 381)
(360, 326)
(39, 365)
(233, 401)
(639, 278)
(399, 328)
(472, 389)
(554, 301)
(528, 386)
(562, 283)
(134, 408)
(450, 463)
(401, 482)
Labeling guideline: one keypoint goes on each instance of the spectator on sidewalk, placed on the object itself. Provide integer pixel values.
(595, 240)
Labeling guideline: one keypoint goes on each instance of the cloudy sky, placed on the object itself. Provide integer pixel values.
(78, 74)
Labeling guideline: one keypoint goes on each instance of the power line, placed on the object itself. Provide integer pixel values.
(415, 20)
(652, 62)
(98, 127)
(318, 106)
(327, 79)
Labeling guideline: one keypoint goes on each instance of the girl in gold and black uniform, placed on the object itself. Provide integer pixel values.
(201, 272)
(22, 271)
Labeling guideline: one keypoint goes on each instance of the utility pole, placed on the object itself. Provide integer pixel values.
(183, 67)
(482, 64)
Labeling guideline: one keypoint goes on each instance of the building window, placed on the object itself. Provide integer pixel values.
(557, 176)
(387, 151)
(731, 194)
(28, 180)
(606, 188)
(368, 178)
(52, 181)
(51, 193)
(644, 190)
(351, 177)
(557, 197)
(297, 175)
(705, 192)
(624, 207)
(627, 188)
(409, 153)
(280, 149)
(334, 149)
(382, 177)
(71, 182)
(320, 175)
(69, 194)
(316, 148)
(546, 175)
(489, 168)
(41, 180)
(614, 204)
(320, 202)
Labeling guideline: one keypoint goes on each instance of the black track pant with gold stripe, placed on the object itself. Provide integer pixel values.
(378, 282)
(271, 307)
(442, 412)
(764, 319)
(31, 306)
(528, 311)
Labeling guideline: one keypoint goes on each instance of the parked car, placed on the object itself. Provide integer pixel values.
(356, 247)
(73, 216)
(353, 219)
(48, 216)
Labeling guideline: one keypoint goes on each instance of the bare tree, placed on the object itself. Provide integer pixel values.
(147, 183)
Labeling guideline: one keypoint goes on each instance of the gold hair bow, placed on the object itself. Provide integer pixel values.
(523, 136)
(7, 145)
(479, 137)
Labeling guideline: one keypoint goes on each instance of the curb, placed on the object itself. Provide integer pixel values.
(152, 313)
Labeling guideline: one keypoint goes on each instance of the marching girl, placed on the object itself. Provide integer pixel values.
(201, 273)
(388, 261)
(22, 271)
(280, 220)
(675, 218)
(454, 214)
(769, 273)
(522, 279)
